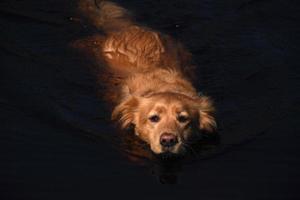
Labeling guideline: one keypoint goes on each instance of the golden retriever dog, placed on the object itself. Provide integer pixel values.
(148, 76)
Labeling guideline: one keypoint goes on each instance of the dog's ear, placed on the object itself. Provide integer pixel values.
(125, 112)
(206, 110)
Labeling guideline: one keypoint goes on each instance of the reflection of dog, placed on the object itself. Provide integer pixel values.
(150, 84)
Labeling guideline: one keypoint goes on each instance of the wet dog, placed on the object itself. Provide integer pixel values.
(148, 76)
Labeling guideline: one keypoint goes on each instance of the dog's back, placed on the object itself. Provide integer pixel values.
(105, 15)
(131, 48)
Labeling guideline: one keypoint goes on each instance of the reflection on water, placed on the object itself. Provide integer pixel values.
(167, 170)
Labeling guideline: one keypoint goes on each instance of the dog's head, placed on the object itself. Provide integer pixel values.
(167, 121)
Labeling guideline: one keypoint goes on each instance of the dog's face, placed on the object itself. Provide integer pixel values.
(166, 121)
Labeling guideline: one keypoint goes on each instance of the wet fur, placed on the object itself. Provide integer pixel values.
(143, 65)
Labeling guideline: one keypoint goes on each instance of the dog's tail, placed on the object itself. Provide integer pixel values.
(105, 15)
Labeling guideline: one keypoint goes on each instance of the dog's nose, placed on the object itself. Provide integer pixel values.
(168, 140)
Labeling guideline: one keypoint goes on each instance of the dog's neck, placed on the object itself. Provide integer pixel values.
(157, 81)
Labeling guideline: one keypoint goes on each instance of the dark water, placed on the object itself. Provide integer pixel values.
(56, 138)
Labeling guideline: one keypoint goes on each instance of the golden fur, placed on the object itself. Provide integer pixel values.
(148, 76)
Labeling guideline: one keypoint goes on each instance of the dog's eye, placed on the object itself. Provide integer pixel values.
(154, 118)
(182, 118)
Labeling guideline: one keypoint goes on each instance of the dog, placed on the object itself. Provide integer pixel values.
(149, 79)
